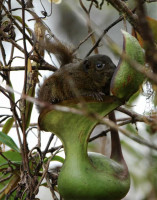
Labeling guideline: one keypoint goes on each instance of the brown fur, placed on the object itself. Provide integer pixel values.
(63, 52)
(79, 79)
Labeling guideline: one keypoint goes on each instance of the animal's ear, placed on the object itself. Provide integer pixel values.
(86, 65)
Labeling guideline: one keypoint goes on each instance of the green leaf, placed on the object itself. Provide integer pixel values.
(7, 140)
(31, 77)
(18, 18)
(11, 93)
(126, 80)
(58, 158)
(9, 184)
(14, 157)
(133, 98)
(55, 158)
(132, 129)
(7, 126)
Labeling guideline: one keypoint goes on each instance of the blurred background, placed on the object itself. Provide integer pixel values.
(68, 22)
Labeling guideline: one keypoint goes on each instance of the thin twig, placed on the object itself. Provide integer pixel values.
(47, 146)
(42, 62)
(16, 24)
(89, 23)
(102, 134)
(8, 161)
(106, 30)
(102, 35)
(31, 124)
(151, 1)
(54, 149)
(147, 35)
(122, 8)
(4, 118)
(12, 47)
(6, 38)
(3, 52)
(21, 68)
(127, 133)
(45, 171)
(85, 39)
(135, 116)
(5, 179)
(25, 147)
(134, 119)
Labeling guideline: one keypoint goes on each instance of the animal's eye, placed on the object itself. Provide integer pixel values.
(100, 66)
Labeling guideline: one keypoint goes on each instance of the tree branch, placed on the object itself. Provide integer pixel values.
(122, 8)
(21, 68)
(102, 35)
(147, 35)
(135, 116)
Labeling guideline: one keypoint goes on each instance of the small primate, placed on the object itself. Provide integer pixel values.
(88, 77)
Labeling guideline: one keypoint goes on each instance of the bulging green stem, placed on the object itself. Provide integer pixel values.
(86, 175)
